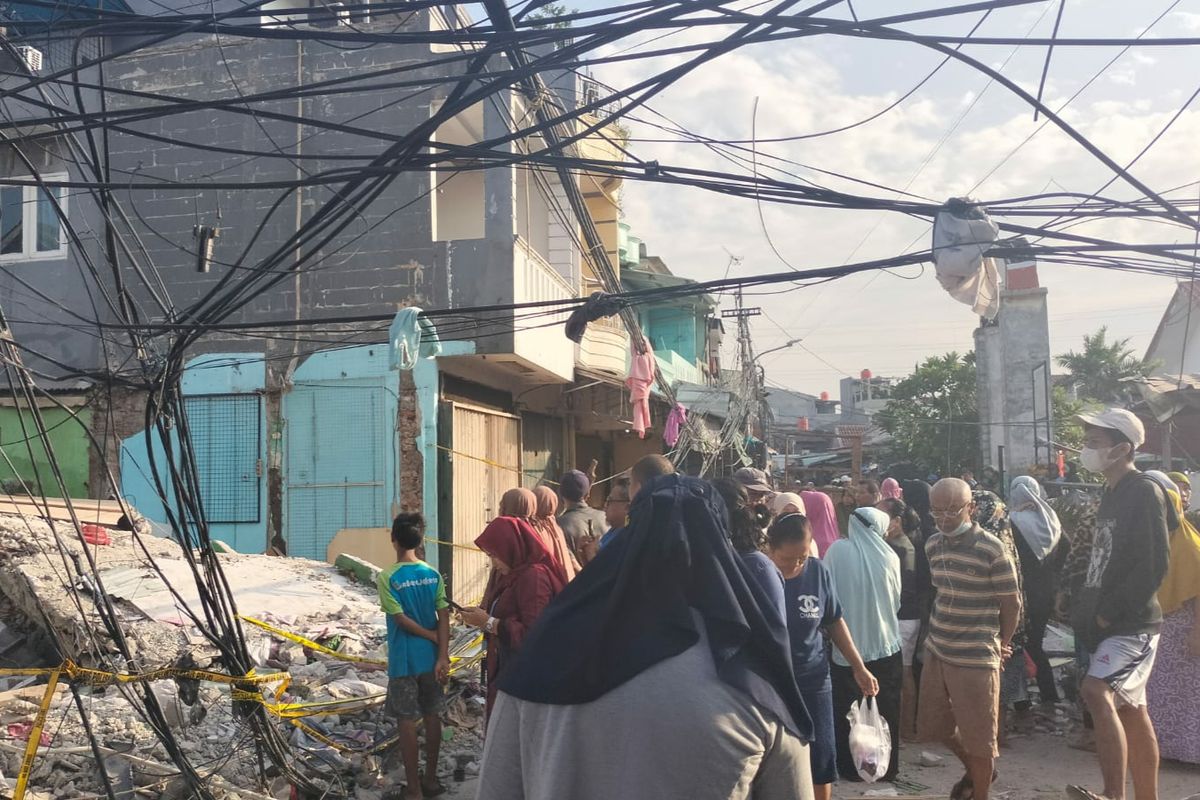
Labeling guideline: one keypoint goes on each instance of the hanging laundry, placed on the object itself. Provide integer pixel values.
(674, 425)
(408, 332)
(641, 378)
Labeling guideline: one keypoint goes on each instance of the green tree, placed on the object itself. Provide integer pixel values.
(1102, 369)
(1067, 429)
(550, 15)
(933, 417)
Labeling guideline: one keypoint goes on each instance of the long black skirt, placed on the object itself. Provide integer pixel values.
(890, 674)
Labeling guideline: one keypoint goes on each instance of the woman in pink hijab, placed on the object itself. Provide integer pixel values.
(822, 517)
(890, 489)
(545, 522)
(518, 507)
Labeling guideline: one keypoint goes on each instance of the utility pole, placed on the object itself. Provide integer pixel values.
(752, 378)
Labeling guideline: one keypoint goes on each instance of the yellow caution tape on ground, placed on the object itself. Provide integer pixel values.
(35, 737)
(100, 677)
(341, 748)
(310, 644)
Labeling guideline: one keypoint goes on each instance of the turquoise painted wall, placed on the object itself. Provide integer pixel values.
(342, 458)
(673, 329)
(221, 373)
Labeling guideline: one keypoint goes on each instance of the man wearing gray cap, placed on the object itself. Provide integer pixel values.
(1117, 616)
(756, 484)
(581, 524)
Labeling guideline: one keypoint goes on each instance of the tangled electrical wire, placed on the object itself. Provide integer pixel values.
(314, 186)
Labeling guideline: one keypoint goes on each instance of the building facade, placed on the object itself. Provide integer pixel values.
(305, 439)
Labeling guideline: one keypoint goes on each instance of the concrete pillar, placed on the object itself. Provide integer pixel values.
(1007, 353)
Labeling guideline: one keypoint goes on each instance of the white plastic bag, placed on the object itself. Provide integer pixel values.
(870, 740)
(962, 235)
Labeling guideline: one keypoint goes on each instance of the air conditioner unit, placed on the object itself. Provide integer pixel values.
(32, 57)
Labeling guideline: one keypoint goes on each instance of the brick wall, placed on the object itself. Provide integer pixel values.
(412, 473)
(117, 413)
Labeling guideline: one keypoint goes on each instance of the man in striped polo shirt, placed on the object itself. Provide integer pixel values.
(975, 612)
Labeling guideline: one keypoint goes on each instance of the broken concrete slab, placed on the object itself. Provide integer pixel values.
(307, 598)
(309, 595)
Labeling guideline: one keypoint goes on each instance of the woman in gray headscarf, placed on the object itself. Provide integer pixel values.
(1038, 540)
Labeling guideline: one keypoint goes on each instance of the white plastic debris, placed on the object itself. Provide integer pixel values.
(962, 235)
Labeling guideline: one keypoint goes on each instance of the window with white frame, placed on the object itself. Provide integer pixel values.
(30, 225)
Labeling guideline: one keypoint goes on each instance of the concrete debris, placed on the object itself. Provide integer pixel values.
(929, 759)
(306, 598)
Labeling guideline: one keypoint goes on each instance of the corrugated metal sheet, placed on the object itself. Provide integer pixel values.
(487, 459)
(541, 449)
(339, 438)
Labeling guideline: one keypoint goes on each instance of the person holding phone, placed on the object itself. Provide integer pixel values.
(525, 581)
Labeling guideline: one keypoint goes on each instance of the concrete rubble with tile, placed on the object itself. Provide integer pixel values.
(308, 598)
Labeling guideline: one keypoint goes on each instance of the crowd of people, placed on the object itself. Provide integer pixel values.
(707, 640)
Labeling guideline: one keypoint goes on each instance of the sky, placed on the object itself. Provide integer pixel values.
(946, 140)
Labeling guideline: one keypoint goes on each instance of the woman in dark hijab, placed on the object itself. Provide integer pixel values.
(916, 494)
(666, 650)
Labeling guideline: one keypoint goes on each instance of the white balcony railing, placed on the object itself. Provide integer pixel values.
(605, 347)
(539, 336)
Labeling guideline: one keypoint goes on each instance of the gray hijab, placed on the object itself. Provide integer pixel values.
(1032, 515)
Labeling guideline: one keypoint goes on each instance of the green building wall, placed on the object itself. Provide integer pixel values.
(68, 440)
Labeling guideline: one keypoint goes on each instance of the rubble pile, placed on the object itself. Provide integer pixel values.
(330, 708)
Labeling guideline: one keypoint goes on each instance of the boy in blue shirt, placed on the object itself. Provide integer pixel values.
(413, 596)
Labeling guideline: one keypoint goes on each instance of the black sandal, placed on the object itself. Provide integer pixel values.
(436, 790)
(965, 788)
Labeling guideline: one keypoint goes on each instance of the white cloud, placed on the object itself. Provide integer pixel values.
(1190, 21)
(880, 321)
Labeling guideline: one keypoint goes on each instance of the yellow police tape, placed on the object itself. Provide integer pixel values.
(470, 547)
(341, 748)
(99, 677)
(96, 677)
(35, 736)
(310, 644)
(519, 471)
(288, 711)
(320, 648)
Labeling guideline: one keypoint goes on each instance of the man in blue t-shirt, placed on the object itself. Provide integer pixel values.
(413, 596)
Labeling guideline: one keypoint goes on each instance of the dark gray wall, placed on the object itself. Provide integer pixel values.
(384, 258)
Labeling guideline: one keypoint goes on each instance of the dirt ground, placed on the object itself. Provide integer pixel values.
(1034, 767)
(1037, 767)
